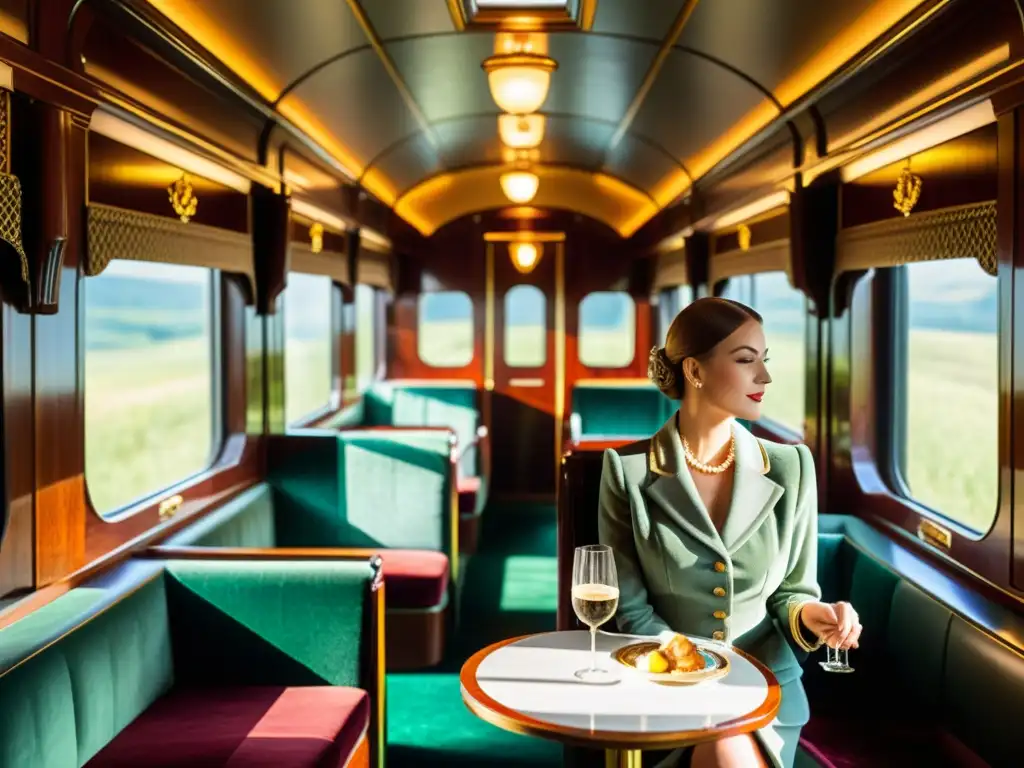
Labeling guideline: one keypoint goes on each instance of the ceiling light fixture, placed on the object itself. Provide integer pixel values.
(519, 72)
(524, 256)
(521, 131)
(519, 186)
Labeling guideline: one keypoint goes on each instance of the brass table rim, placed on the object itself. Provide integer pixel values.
(488, 709)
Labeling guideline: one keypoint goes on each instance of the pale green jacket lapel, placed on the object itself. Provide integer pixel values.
(753, 497)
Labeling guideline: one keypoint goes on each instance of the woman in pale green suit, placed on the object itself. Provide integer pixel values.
(715, 531)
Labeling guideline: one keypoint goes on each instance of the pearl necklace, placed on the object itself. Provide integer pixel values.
(710, 469)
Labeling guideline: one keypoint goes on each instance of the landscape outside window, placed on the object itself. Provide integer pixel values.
(149, 379)
(308, 345)
(952, 388)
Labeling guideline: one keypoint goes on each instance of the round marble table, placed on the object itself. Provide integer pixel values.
(526, 685)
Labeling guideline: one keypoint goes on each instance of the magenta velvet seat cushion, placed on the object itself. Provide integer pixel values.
(246, 726)
(414, 578)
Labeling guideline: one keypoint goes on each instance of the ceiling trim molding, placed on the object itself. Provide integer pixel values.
(316, 68)
(392, 70)
(643, 139)
(734, 70)
(667, 43)
(444, 197)
(568, 167)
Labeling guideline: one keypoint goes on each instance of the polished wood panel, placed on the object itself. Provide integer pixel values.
(59, 398)
(772, 227)
(127, 178)
(127, 66)
(1011, 350)
(455, 262)
(958, 172)
(17, 538)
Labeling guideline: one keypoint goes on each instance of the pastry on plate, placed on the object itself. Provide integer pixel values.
(676, 654)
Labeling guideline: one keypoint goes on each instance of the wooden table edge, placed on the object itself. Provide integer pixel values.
(488, 709)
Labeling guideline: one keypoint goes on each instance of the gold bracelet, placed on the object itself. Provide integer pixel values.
(795, 609)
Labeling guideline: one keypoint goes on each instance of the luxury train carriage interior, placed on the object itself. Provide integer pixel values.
(319, 316)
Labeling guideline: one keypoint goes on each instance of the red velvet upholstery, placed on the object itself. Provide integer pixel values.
(246, 726)
(469, 488)
(414, 578)
(848, 742)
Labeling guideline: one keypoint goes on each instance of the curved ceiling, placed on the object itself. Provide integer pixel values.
(447, 196)
(647, 100)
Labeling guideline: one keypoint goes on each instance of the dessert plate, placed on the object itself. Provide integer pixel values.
(715, 664)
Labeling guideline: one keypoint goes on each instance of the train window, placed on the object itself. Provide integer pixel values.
(739, 289)
(784, 310)
(950, 386)
(444, 335)
(366, 336)
(525, 327)
(607, 329)
(151, 379)
(670, 303)
(308, 345)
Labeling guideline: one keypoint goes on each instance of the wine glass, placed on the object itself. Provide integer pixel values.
(595, 596)
(836, 660)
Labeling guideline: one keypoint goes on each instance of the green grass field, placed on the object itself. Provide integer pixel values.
(952, 457)
(307, 377)
(148, 419)
(149, 410)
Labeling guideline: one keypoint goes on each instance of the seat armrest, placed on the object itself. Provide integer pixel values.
(478, 440)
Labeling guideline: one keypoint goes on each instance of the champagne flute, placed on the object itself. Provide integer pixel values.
(595, 597)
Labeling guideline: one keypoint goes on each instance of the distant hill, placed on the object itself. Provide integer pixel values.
(122, 311)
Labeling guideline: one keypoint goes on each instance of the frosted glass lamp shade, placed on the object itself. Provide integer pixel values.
(521, 131)
(524, 256)
(519, 186)
(519, 82)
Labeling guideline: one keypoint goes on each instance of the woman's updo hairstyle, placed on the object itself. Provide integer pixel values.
(695, 331)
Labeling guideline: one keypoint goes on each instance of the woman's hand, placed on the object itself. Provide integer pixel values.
(835, 624)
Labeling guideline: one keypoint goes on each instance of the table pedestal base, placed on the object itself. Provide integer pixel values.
(622, 758)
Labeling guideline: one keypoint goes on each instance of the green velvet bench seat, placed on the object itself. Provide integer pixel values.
(453, 405)
(930, 687)
(200, 663)
(355, 493)
(603, 410)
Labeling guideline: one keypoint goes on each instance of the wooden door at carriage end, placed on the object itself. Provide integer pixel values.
(526, 345)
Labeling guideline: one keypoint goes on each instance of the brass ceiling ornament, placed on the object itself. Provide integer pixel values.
(743, 235)
(183, 198)
(907, 192)
(316, 237)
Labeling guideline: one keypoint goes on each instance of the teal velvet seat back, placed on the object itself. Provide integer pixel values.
(76, 672)
(628, 412)
(615, 411)
(386, 404)
(943, 670)
(61, 706)
(362, 489)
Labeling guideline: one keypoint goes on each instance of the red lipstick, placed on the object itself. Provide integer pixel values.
(756, 398)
